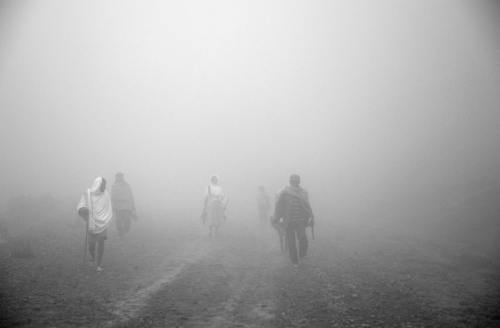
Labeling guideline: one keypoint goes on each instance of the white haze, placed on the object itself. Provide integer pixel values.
(362, 99)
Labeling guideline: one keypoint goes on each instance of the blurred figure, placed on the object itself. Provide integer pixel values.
(95, 206)
(123, 205)
(215, 206)
(264, 204)
(279, 226)
(294, 212)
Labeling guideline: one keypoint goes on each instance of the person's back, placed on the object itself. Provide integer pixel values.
(293, 208)
(123, 204)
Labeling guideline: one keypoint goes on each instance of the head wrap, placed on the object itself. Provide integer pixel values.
(96, 187)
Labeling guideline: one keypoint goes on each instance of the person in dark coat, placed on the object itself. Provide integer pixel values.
(123, 204)
(294, 212)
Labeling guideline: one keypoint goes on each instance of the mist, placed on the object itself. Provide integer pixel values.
(366, 101)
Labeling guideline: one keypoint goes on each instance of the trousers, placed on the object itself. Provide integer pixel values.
(123, 222)
(297, 230)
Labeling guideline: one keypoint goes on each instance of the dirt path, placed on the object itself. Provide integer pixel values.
(230, 286)
(165, 276)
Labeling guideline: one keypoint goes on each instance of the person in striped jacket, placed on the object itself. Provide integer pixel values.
(294, 211)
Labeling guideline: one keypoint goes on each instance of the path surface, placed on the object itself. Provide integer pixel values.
(177, 276)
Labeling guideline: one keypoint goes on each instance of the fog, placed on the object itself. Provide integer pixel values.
(364, 100)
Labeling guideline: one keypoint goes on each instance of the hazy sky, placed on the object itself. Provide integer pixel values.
(359, 98)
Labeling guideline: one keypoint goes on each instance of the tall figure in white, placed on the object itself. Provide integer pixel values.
(95, 207)
(215, 206)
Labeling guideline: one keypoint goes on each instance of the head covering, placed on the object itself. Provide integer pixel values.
(119, 173)
(294, 177)
(96, 187)
(214, 175)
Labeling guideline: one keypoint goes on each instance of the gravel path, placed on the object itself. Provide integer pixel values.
(174, 275)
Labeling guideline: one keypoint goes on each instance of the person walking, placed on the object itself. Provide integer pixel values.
(264, 204)
(123, 205)
(215, 203)
(95, 206)
(295, 213)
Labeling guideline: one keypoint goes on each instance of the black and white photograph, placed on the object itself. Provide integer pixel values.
(245, 164)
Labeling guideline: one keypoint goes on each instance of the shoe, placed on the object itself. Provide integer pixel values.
(99, 269)
(91, 262)
(295, 266)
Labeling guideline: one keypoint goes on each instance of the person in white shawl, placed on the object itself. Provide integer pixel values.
(95, 206)
(215, 206)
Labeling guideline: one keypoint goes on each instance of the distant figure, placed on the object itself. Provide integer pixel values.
(279, 226)
(214, 206)
(264, 204)
(95, 206)
(294, 212)
(123, 205)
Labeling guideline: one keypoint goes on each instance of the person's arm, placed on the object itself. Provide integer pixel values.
(82, 209)
(308, 208)
(132, 201)
(84, 213)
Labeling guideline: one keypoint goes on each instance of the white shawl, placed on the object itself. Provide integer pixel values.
(99, 205)
(215, 189)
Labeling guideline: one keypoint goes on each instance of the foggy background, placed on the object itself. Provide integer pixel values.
(371, 103)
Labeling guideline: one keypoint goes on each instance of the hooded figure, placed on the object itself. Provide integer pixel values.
(95, 206)
(215, 205)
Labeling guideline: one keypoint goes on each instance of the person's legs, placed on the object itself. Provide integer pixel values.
(290, 240)
(100, 251)
(126, 224)
(119, 223)
(302, 237)
(92, 252)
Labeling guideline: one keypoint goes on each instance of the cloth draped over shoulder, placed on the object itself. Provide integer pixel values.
(284, 203)
(215, 205)
(121, 196)
(214, 190)
(99, 206)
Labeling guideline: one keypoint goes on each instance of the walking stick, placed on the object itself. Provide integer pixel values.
(312, 230)
(86, 240)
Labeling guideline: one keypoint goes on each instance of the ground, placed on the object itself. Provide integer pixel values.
(169, 273)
